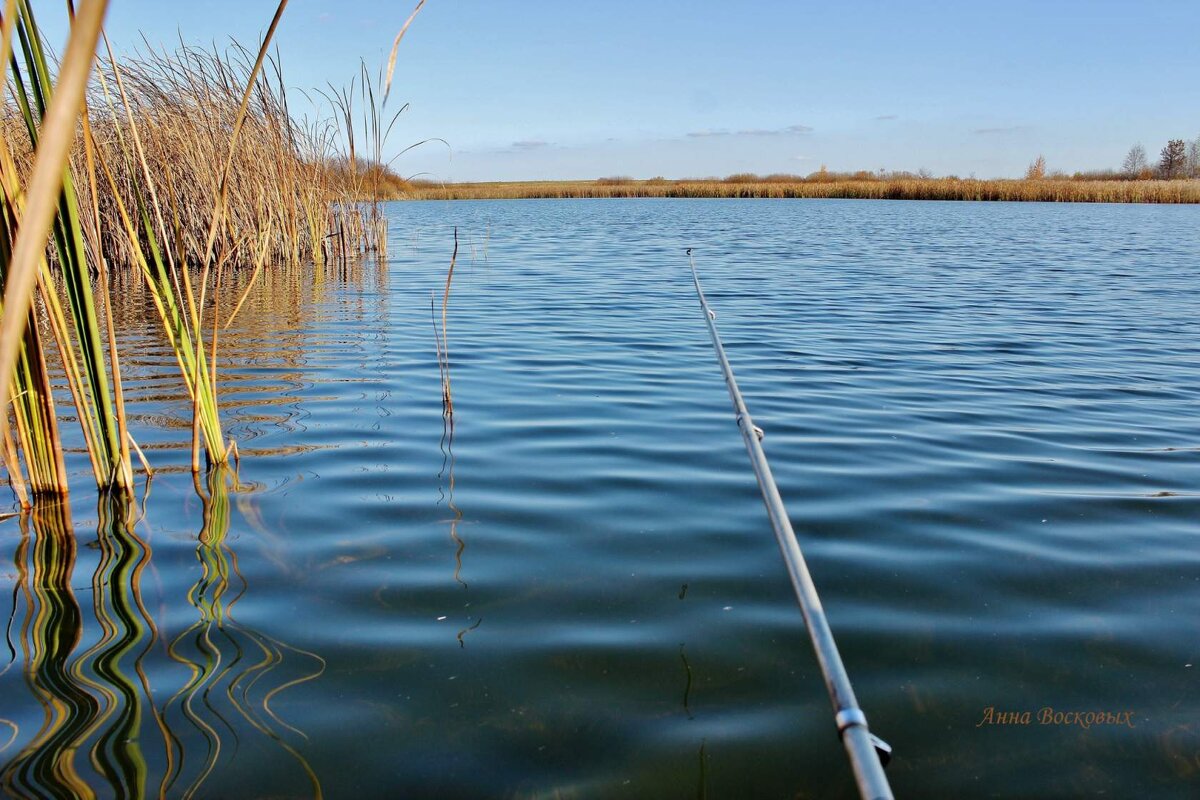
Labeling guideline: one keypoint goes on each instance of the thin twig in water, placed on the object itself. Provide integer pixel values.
(437, 342)
(447, 399)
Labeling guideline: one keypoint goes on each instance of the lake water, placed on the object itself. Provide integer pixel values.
(983, 419)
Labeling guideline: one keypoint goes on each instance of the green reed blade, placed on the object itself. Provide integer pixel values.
(99, 414)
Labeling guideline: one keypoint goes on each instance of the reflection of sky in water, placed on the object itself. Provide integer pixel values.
(982, 418)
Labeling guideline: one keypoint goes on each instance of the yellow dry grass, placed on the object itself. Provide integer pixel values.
(747, 186)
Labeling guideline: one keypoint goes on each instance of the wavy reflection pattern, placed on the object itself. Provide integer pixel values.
(100, 730)
(102, 697)
(117, 661)
(50, 632)
(232, 668)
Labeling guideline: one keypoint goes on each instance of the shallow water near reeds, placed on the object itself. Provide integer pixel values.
(983, 419)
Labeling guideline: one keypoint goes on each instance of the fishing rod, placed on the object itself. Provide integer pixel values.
(868, 753)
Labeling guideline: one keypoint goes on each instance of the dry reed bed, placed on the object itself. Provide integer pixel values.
(1073, 191)
(289, 189)
(176, 166)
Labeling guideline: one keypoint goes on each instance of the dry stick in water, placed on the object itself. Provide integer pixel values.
(447, 402)
(437, 343)
(45, 183)
(442, 359)
(439, 340)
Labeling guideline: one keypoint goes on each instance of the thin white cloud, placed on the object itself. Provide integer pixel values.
(1001, 130)
(790, 130)
(529, 144)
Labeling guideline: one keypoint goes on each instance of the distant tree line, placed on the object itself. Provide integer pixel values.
(1177, 159)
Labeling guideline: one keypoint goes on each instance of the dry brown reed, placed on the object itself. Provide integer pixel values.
(290, 185)
(853, 187)
(442, 341)
(173, 159)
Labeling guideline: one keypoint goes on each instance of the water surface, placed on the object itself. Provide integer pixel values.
(983, 419)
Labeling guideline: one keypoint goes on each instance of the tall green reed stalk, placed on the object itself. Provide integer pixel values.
(29, 219)
(97, 397)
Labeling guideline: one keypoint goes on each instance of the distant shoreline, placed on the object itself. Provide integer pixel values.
(1067, 190)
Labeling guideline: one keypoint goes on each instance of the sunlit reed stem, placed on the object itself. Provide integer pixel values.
(49, 196)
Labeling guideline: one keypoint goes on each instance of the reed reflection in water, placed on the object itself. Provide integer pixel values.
(104, 729)
(267, 353)
(50, 630)
(232, 668)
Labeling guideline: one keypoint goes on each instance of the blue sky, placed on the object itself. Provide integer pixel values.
(589, 88)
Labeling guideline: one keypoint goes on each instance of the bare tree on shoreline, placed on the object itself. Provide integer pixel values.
(1193, 158)
(1135, 162)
